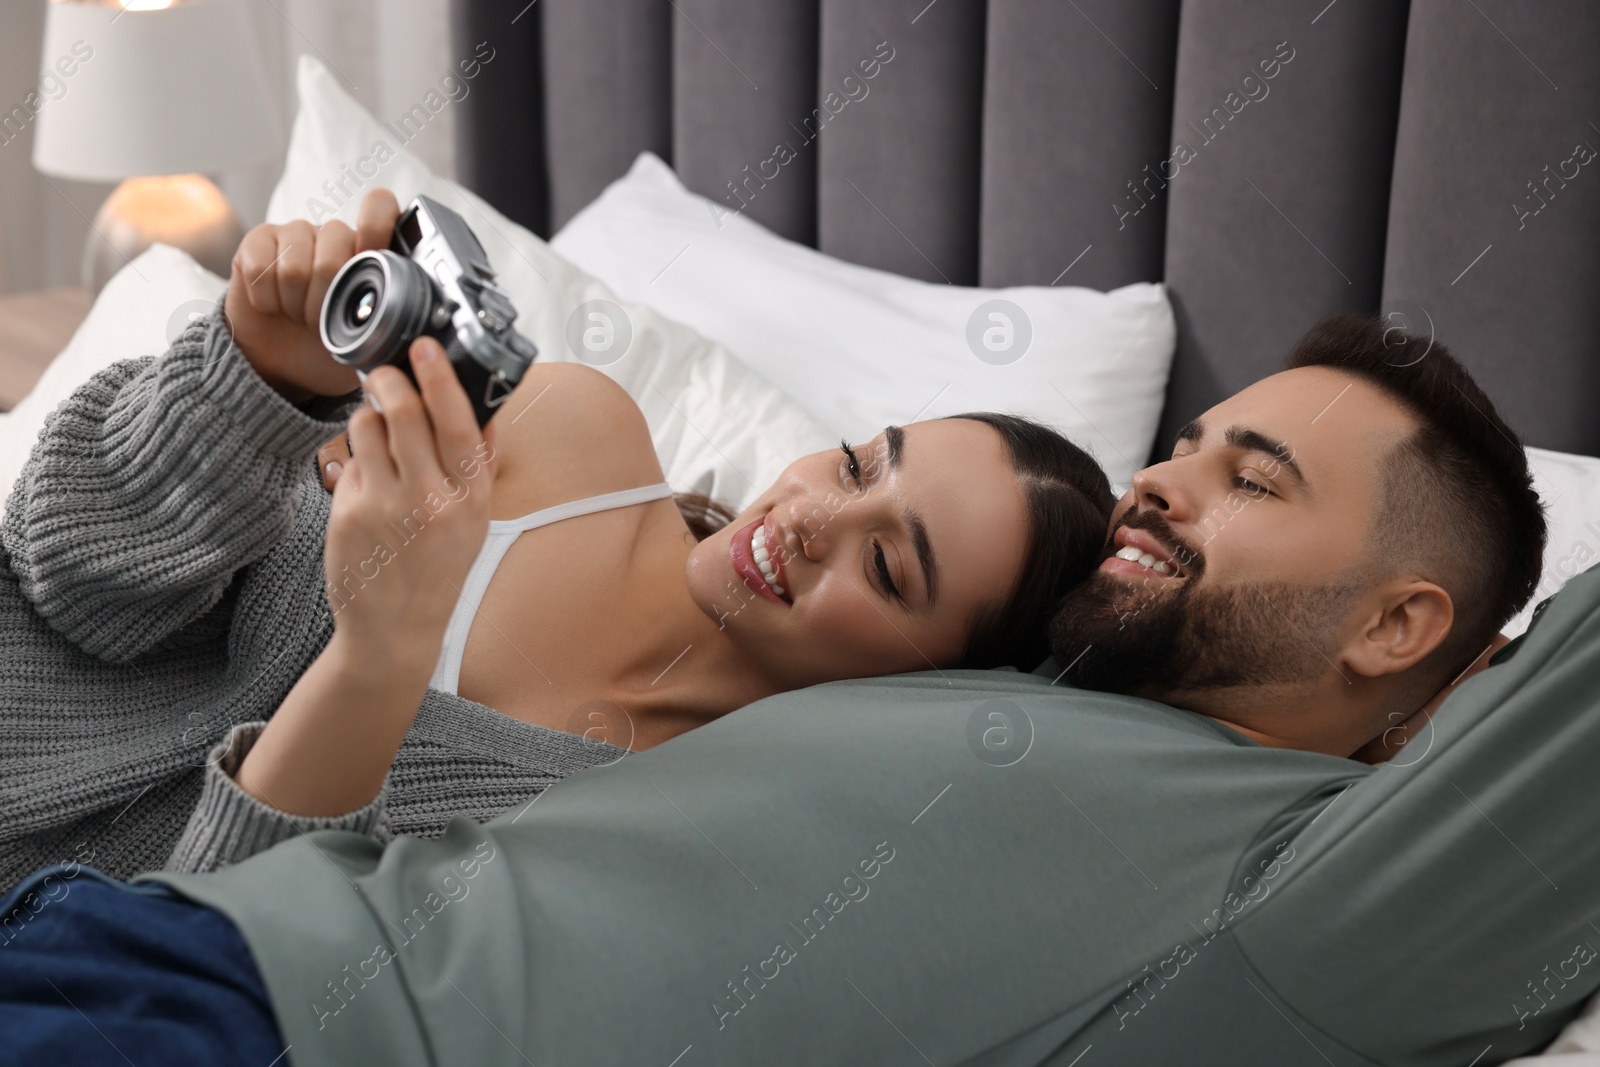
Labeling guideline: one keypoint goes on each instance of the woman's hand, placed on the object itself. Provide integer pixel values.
(280, 275)
(1388, 744)
(332, 457)
(410, 511)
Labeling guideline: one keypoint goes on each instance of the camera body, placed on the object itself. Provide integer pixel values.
(434, 280)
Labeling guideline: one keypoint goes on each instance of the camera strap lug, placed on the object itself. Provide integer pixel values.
(492, 398)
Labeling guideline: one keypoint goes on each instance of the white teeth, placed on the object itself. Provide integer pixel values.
(758, 549)
(1145, 559)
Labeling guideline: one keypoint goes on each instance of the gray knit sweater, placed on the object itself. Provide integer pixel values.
(160, 585)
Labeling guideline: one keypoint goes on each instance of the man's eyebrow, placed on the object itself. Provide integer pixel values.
(919, 529)
(1192, 432)
(1256, 441)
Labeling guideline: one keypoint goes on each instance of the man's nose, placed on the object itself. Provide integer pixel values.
(1160, 488)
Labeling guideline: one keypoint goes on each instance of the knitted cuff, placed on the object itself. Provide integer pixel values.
(270, 422)
(229, 825)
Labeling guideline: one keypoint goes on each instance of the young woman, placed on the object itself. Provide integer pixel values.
(197, 625)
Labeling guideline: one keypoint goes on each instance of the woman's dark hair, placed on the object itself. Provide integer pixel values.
(703, 515)
(1069, 504)
(1069, 507)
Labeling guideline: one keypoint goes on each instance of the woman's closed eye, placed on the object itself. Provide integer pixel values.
(885, 580)
(880, 563)
(883, 573)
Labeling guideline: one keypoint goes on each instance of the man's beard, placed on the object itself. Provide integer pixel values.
(1158, 637)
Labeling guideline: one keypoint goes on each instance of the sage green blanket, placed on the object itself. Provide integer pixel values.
(975, 867)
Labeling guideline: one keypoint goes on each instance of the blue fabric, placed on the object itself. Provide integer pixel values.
(97, 971)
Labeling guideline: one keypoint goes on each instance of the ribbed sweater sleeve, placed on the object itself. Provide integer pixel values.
(229, 825)
(151, 485)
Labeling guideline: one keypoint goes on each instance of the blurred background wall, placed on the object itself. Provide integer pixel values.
(387, 63)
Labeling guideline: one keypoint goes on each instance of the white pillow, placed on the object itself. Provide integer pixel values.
(718, 427)
(862, 348)
(139, 312)
(1570, 487)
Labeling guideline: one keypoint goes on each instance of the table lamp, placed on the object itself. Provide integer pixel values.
(152, 93)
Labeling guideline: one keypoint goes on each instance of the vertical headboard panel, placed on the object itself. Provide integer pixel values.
(607, 93)
(897, 183)
(1494, 218)
(1077, 110)
(737, 106)
(500, 131)
(1279, 215)
(1380, 169)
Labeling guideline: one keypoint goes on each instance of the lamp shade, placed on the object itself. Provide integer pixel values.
(145, 92)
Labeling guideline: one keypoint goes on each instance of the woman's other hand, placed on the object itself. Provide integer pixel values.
(1388, 744)
(280, 275)
(410, 510)
(332, 457)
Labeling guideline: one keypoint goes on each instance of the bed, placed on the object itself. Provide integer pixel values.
(1421, 161)
(1264, 163)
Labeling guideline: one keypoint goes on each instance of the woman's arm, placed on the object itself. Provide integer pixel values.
(152, 485)
(229, 825)
(330, 744)
(320, 763)
(325, 752)
(159, 479)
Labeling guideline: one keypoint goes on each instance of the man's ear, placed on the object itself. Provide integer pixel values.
(1410, 619)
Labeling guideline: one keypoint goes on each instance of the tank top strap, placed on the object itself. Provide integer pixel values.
(587, 506)
(502, 533)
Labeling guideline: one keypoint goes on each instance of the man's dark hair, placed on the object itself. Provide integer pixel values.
(1458, 501)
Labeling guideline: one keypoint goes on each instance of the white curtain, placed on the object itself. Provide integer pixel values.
(387, 53)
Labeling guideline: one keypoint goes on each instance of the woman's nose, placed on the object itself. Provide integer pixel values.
(803, 536)
(811, 526)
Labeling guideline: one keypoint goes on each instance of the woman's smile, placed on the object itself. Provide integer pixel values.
(753, 557)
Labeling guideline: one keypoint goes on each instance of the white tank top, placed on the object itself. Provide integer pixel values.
(447, 673)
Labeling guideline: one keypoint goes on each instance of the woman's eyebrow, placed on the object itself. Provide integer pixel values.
(897, 445)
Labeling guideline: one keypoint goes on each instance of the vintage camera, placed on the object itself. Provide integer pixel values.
(433, 280)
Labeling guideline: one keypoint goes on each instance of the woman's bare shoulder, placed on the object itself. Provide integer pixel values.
(568, 432)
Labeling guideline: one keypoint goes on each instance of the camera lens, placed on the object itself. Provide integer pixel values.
(378, 304)
(362, 305)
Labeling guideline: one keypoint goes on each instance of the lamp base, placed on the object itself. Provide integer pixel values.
(186, 211)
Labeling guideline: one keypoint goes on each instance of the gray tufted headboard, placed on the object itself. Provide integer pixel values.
(1430, 159)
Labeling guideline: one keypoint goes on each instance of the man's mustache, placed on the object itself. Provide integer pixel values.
(1153, 523)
